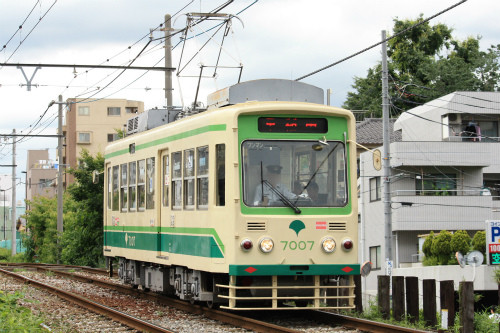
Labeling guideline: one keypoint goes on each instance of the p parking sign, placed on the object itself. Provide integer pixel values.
(493, 242)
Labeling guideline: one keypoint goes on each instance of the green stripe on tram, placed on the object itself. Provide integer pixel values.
(183, 135)
(200, 242)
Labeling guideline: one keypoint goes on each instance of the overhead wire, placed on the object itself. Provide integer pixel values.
(21, 25)
(402, 32)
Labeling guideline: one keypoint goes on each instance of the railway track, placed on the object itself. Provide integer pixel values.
(255, 323)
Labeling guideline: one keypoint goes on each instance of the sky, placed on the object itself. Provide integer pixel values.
(269, 38)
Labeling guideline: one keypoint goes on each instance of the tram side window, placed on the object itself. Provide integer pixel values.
(166, 179)
(132, 190)
(116, 192)
(220, 181)
(189, 178)
(141, 185)
(177, 180)
(150, 183)
(110, 191)
(202, 177)
(123, 187)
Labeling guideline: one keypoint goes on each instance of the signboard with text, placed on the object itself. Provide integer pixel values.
(493, 242)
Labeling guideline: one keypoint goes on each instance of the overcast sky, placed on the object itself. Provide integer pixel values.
(274, 39)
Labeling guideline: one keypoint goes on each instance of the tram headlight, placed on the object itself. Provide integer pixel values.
(266, 245)
(246, 244)
(328, 244)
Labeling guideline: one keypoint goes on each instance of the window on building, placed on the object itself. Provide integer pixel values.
(129, 109)
(132, 190)
(141, 185)
(114, 111)
(436, 184)
(113, 137)
(83, 111)
(177, 180)
(123, 187)
(375, 257)
(150, 183)
(189, 178)
(375, 189)
(43, 183)
(202, 177)
(166, 179)
(220, 181)
(83, 137)
(116, 192)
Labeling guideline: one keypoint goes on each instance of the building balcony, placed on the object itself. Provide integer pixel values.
(445, 153)
(464, 211)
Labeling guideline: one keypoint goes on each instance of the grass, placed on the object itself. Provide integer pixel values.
(482, 321)
(15, 318)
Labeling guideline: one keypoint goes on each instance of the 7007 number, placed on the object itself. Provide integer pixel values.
(302, 245)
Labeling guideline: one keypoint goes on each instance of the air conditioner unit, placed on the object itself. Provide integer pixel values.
(455, 118)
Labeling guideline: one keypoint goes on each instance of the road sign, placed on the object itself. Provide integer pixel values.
(493, 242)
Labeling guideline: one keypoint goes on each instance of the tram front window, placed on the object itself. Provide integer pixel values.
(294, 174)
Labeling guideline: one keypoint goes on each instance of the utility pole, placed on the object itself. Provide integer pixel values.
(168, 61)
(386, 157)
(13, 204)
(59, 174)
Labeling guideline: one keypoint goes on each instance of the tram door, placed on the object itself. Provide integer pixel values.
(108, 216)
(165, 205)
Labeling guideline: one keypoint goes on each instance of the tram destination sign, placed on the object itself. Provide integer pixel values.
(293, 125)
(493, 242)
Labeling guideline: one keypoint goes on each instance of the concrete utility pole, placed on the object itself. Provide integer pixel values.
(386, 157)
(13, 204)
(60, 172)
(168, 61)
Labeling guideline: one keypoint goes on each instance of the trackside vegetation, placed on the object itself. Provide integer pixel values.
(81, 241)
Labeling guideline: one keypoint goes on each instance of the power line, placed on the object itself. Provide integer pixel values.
(383, 41)
(21, 25)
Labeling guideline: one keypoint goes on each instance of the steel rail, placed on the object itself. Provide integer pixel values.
(359, 323)
(222, 316)
(119, 316)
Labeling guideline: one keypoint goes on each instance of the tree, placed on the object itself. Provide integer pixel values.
(460, 242)
(479, 242)
(83, 238)
(426, 63)
(441, 247)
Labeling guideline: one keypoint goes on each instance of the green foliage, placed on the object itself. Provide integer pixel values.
(441, 247)
(426, 248)
(14, 318)
(426, 63)
(82, 240)
(460, 242)
(479, 242)
(496, 275)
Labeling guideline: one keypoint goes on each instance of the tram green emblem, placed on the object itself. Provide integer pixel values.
(297, 226)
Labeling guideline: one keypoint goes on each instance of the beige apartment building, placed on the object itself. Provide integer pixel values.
(41, 175)
(91, 125)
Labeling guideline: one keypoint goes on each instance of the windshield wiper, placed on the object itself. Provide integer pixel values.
(282, 197)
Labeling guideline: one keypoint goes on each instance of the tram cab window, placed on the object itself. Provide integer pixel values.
(116, 193)
(202, 177)
(132, 190)
(166, 180)
(220, 169)
(141, 184)
(150, 183)
(189, 178)
(307, 173)
(177, 180)
(123, 187)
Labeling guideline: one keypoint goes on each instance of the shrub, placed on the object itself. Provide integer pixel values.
(479, 242)
(460, 242)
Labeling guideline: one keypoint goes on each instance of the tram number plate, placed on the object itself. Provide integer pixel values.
(301, 245)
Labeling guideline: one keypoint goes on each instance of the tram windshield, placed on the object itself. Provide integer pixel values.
(294, 174)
